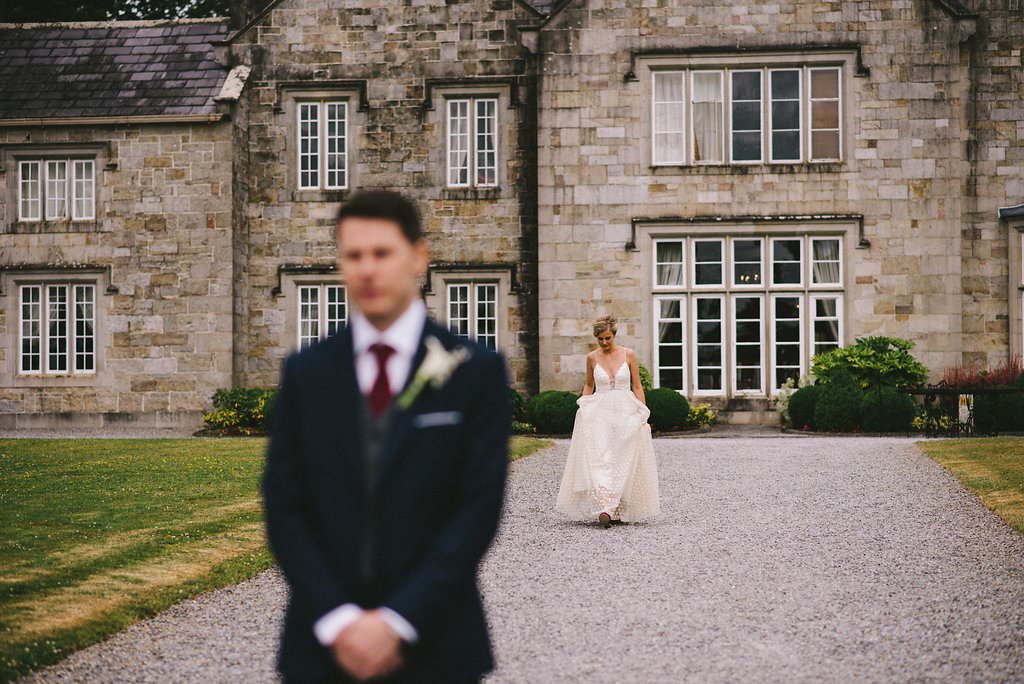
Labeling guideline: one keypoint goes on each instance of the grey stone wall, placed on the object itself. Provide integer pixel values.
(396, 61)
(936, 258)
(161, 255)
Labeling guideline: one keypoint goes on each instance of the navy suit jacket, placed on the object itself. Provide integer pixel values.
(432, 511)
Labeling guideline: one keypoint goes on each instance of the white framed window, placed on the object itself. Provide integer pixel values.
(746, 118)
(56, 189)
(826, 128)
(787, 261)
(827, 317)
(670, 348)
(322, 129)
(826, 261)
(472, 148)
(708, 263)
(788, 356)
(669, 133)
(781, 114)
(747, 262)
(708, 114)
(708, 344)
(741, 314)
(785, 114)
(669, 263)
(322, 309)
(472, 310)
(748, 343)
(57, 329)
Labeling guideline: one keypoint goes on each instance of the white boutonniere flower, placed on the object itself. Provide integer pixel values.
(438, 365)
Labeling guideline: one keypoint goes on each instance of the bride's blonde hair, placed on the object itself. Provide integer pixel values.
(606, 322)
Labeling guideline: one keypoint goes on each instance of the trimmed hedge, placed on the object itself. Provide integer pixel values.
(801, 406)
(241, 410)
(838, 407)
(1004, 413)
(669, 409)
(887, 410)
(552, 412)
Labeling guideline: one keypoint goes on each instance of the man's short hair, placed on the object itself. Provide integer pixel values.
(384, 204)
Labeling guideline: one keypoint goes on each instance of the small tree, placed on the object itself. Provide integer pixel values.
(885, 361)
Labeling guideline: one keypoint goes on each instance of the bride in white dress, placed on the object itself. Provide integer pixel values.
(610, 475)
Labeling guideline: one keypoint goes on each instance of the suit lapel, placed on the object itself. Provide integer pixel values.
(400, 421)
(346, 405)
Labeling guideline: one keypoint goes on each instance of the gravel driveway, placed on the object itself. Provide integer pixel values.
(774, 560)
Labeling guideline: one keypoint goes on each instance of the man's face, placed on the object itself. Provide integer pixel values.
(380, 266)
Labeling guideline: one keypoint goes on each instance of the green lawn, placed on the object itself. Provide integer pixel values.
(96, 534)
(991, 468)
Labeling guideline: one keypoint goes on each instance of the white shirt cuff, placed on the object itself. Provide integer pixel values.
(328, 627)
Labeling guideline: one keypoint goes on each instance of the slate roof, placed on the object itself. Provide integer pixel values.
(110, 69)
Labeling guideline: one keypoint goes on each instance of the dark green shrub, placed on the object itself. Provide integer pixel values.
(873, 360)
(838, 407)
(646, 382)
(516, 405)
(999, 413)
(552, 412)
(801, 406)
(669, 409)
(241, 410)
(887, 410)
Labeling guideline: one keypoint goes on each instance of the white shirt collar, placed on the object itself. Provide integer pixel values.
(403, 335)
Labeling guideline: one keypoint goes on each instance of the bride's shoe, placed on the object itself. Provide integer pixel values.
(605, 520)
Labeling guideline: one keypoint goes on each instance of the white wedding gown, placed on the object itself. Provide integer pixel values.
(611, 467)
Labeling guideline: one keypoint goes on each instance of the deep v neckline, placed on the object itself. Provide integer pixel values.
(611, 375)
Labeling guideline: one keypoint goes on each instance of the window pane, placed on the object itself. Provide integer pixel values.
(85, 328)
(825, 262)
(486, 142)
(671, 345)
(746, 262)
(57, 328)
(309, 314)
(56, 189)
(826, 324)
(84, 190)
(788, 342)
(29, 191)
(707, 262)
(707, 116)
(336, 143)
(487, 315)
(458, 309)
(747, 343)
(458, 142)
(746, 116)
(669, 263)
(786, 262)
(825, 114)
(785, 115)
(31, 329)
(309, 145)
(668, 117)
(337, 307)
(708, 341)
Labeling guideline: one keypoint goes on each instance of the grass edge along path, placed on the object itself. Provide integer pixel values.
(991, 468)
(187, 520)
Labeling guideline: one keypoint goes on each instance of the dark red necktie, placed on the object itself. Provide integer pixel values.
(380, 395)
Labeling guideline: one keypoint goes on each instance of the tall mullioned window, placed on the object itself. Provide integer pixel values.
(323, 145)
(741, 314)
(472, 142)
(322, 310)
(57, 329)
(746, 115)
(57, 189)
(473, 312)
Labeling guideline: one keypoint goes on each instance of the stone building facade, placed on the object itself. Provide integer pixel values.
(742, 185)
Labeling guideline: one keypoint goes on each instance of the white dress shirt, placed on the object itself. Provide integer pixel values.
(404, 337)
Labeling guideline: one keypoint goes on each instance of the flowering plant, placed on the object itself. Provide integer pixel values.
(438, 365)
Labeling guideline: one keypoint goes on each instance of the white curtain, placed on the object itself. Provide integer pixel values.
(668, 117)
(670, 263)
(826, 261)
(707, 116)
